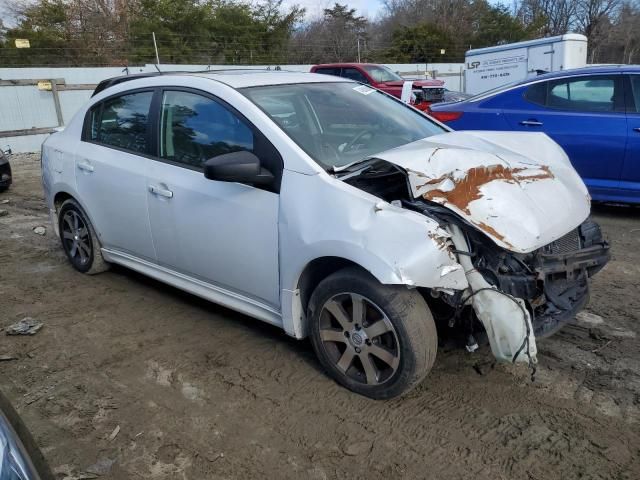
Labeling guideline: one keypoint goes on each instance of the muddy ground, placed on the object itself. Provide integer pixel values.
(198, 391)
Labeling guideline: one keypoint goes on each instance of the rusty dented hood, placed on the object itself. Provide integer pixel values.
(518, 188)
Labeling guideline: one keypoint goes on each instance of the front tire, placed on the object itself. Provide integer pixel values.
(377, 340)
(79, 239)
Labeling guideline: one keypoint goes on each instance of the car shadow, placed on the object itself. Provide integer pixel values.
(619, 210)
(302, 348)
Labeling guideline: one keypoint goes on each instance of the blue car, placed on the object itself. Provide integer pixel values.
(593, 113)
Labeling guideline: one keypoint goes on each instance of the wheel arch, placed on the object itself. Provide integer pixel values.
(59, 198)
(317, 270)
(296, 299)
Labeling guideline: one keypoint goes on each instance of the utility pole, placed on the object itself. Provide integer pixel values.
(358, 49)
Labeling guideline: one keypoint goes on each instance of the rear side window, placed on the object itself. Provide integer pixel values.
(354, 74)
(537, 93)
(586, 94)
(123, 122)
(194, 128)
(581, 94)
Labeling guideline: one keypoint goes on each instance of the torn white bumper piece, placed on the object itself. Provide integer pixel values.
(505, 318)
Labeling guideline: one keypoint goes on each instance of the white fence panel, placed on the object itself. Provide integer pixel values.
(26, 107)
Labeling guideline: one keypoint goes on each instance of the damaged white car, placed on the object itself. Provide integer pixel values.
(329, 209)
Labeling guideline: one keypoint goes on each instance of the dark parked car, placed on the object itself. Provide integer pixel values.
(5, 172)
(593, 113)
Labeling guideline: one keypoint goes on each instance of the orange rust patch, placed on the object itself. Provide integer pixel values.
(467, 189)
(492, 231)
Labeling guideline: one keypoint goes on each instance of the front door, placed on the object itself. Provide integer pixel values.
(112, 163)
(225, 234)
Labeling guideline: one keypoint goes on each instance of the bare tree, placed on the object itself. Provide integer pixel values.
(555, 16)
(333, 37)
(594, 20)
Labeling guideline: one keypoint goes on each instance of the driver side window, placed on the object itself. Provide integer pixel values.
(194, 128)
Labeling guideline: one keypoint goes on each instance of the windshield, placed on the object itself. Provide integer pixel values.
(382, 74)
(341, 123)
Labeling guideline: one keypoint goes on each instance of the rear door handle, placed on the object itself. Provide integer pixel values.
(637, 129)
(160, 191)
(531, 123)
(85, 166)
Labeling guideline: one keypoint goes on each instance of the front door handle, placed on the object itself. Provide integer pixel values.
(160, 191)
(637, 129)
(531, 123)
(85, 166)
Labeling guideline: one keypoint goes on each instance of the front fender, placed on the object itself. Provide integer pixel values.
(321, 216)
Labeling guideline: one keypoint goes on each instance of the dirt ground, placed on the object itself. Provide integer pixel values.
(192, 390)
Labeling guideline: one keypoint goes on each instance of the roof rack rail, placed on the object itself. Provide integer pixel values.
(110, 82)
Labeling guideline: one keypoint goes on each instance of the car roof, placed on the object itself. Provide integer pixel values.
(235, 78)
(347, 64)
(592, 69)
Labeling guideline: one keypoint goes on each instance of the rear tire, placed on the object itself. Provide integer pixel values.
(79, 239)
(377, 340)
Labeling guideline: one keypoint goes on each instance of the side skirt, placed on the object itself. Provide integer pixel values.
(210, 292)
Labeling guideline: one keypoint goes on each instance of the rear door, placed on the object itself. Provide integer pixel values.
(586, 116)
(112, 163)
(630, 177)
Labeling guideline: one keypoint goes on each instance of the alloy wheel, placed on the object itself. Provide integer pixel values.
(76, 238)
(359, 338)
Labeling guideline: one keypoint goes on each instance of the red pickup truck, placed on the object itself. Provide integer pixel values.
(425, 92)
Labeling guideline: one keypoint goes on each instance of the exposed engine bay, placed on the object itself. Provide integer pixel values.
(532, 294)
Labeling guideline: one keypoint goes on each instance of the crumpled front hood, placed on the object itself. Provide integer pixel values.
(518, 188)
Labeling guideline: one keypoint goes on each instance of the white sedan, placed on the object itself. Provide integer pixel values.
(329, 209)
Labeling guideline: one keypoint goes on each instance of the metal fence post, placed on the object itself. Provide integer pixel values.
(56, 101)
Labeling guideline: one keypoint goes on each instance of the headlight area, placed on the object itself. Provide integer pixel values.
(14, 461)
(20, 457)
(553, 281)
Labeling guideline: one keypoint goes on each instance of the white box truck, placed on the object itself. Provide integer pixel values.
(491, 67)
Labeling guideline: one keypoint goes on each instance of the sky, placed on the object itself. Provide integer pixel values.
(367, 8)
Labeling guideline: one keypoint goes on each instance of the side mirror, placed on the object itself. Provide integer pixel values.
(241, 167)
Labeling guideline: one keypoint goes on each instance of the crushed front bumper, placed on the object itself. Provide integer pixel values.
(563, 269)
